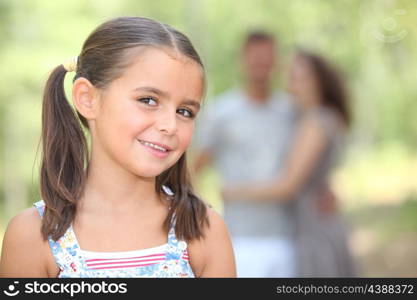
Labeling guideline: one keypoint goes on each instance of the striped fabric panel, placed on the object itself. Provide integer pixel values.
(128, 262)
(185, 255)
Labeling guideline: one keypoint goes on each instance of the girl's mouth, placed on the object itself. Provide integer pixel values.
(156, 149)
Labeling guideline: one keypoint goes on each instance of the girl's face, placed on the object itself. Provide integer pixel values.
(302, 81)
(146, 116)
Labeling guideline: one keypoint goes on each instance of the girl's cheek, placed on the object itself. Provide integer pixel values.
(141, 119)
(186, 135)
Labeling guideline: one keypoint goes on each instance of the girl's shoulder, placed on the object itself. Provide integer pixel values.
(212, 255)
(26, 224)
(24, 251)
(216, 223)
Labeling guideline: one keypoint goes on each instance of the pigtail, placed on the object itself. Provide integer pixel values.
(189, 210)
(64, 156)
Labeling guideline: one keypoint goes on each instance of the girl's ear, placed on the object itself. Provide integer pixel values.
(85, 97)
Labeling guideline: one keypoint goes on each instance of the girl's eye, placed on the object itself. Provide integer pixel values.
(186, 113)
(149, 101)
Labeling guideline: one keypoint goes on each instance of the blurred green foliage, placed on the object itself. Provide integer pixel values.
(373, 42)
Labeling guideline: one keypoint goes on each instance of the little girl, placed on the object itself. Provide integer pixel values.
(137, 89)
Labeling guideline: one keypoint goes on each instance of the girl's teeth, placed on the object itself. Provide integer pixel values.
(154, 146)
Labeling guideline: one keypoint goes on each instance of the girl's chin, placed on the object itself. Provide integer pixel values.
(151, 171)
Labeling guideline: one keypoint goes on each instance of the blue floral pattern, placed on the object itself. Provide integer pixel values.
(71, 261)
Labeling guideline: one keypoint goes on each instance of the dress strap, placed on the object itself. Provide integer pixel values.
(65, 250)
(40, 207)
(167, 190)
(176, 248)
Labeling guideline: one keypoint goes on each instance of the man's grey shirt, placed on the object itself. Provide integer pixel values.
(249, 143)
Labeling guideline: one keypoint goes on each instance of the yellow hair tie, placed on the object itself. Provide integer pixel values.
(71, 65)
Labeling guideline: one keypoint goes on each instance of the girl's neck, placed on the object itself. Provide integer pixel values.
(110, 188)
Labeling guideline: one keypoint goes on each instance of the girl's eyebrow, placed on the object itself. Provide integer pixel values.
(152, 90)
(192, 103)
(161, 93)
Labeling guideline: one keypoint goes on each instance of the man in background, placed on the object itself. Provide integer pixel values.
(245, 134)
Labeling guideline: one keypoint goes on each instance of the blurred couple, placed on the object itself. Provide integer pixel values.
(274, 152)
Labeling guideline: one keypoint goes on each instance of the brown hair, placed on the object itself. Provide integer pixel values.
(330, 84)
(258, 36)
(64, 164)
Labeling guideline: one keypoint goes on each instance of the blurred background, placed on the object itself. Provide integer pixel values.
(373, 42)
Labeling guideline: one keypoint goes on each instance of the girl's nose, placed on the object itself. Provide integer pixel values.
(167, 122)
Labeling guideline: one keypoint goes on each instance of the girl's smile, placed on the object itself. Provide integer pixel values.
(157, 149)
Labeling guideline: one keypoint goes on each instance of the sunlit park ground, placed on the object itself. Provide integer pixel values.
(378, 195)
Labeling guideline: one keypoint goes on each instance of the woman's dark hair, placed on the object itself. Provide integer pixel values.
(65, 154)
(331, 86)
